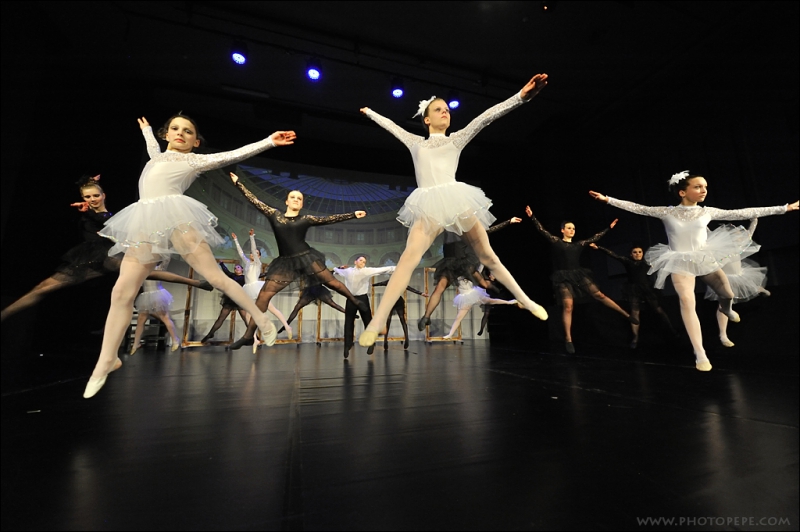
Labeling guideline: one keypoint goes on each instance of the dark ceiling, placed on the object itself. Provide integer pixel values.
(605, 59)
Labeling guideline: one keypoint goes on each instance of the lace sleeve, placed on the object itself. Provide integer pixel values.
(206, 162)
(613, 255)
(752, 227)
(462, 138)
(497, 227)
(260, 205)
(332, 219)
(412, 289)
(635, 208)
(595, 238)
(744, 214)
(153, 148)
(241, 251)
(409, 139)
(254, 251)
(541, 229)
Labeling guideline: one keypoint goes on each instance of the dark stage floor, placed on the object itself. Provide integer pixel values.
(438, 437)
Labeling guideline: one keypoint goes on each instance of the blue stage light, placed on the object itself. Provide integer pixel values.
(313, 70)
(453, 100)
(397, 88)
(239, 53)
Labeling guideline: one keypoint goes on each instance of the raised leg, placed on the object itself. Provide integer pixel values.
(460, 316)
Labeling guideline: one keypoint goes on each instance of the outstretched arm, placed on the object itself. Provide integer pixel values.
(335, 218)
(153, 148)
(226, 271)
(260, 205)
(254, 249)
(409, 139)
(599, 235)
(244, 258)
(539, 226)
(503, 225)
(204, 163)
(611, 253)
(657, 212)
(751, 212)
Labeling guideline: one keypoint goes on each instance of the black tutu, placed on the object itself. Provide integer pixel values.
(317, 293)
(301, 269)
(639, 292)
(576, 284)
(88, 260)
(452, 268)
(228, 303)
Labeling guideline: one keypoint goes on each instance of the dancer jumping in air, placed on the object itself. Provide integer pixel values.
(296, 261)
(440, 203)
(468, 296)
(154, 301)
(165, 222)
(89, 259)
(310, 294)
(228, 305)
(691, 253)
(572, 283)
(638, 289)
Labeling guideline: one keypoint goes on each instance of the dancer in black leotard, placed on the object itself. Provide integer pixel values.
(638, 288)
(296, 259)
(399, 309)
(571, 282)
(228, 304)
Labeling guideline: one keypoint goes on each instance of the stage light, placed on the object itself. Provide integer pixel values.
(239, 53)
(548, 5)
(313, 70)
(397, 88)
(453, 100)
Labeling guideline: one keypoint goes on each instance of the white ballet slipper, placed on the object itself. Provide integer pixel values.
(94, 385)
(367, 338)
(703, 365)
(725, 341)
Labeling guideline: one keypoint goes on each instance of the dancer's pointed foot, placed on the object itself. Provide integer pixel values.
(726, 308)
(423, 322)
(371, 349)
(538, 311)
(95, 383)
(205, 285)
(289, 332)
(570, 348)
(176, 344)
(764, 292)
(703, 364)
(240, 342)
(136, 347)
(385, 346)
(367, 338)
(405, 344)
(281, 330)
(633, 320)
(725, 341)
(255, 346)
(206, 338)
(269, 333)
(447, 336)
(634, 342)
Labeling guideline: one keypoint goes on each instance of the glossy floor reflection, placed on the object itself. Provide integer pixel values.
(443, 436)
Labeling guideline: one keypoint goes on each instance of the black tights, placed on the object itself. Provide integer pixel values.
(223, 315)
(306, 300)
(400, 310)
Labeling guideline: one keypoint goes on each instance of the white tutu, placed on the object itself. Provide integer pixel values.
(724, 245)
(154, 301)
(152, 230)
(252, 289)
(747, 279)
(453, 206)
(470, 298)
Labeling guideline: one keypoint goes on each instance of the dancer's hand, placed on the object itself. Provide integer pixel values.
(234, 178)
(532, 88)
(283, 138)
(82, 206)
(528, 211)
(598, 196)
(792, 206)
(593, 245)
(364, 110)
(425, 294)
(361, 214)
(614, 223)
(516, 220)
(143, 123)
(233, 235)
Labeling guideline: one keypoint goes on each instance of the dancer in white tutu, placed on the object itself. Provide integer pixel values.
(440, 203)
(747, 279)
(154, 301)
(693, 252)
(468, 296)
(165, 222)
(252, 284)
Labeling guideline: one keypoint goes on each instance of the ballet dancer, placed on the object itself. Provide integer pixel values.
(356, 280)
(296, 261)
(89, 259)
(310, 294)
(690, 253)
(638, 288)
(399, 309)
(459, 261)
(440, 203)
(154, 301)
(468, 296)
(228, 305)
(572, 283)
(747, 279)
(165, 222)
(252, 272)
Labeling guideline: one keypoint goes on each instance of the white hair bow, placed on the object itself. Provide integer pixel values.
(423, 105)
(677, 177)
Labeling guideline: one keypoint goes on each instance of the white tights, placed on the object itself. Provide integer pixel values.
(684, 286)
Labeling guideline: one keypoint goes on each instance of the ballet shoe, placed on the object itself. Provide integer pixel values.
(289, 332)
(175, 346)
(281, 330)
(633, 320)
(725, 341)
(367, 338)
(385, 346)
(240, 342)
(634, 343)
(731, 314)
(371, 349)
(205, 285)
(94, 385)
(480, 333)
(423, 322)
(255, 346)
(703, 365)
(269, 334)
(206, 338)
(570, 347)
(539, 311)
(405, 344)
(447, 336)
(136, 348)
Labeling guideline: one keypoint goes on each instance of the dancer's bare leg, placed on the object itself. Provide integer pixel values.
(635, 313)
(610, 303)
(141, 319)
(278, 314)
(460, 316)
(479, 241)
(718, 281)
(48, 286)
(566, 315)
(722, 322)
(684, 286)
(419, 241)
